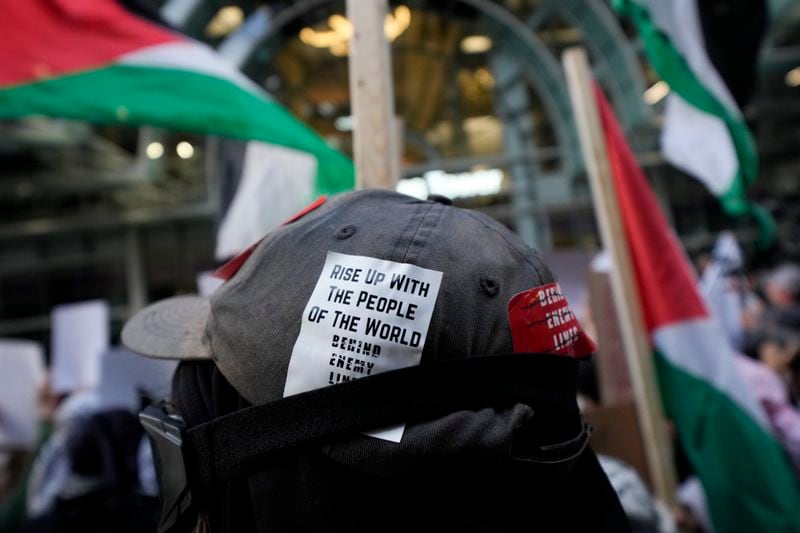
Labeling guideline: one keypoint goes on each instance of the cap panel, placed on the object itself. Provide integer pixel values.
(254, 325)
(484, 265)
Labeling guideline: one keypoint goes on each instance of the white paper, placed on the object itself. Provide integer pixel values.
(365, 316)
(724, 287)
(80, 337)
(207, 284)
(21, 374)
(126, 376)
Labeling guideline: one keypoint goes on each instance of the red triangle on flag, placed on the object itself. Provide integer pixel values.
(48, 38)
(667, 284)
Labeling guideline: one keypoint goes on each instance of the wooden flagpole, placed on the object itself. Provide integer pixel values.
(657, 444)
(372, 96)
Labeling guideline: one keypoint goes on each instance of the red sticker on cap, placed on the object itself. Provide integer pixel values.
(542, 321)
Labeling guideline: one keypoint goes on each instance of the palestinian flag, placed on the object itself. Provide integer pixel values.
(708, 66)
(92, 60)
(749, 482)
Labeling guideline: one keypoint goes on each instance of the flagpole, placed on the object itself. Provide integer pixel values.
(657, 444)
(372, 96)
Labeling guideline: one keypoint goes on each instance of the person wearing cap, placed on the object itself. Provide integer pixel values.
(377, 363)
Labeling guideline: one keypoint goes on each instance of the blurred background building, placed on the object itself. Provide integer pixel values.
(130, 214)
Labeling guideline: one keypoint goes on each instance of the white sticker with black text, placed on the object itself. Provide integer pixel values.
(365, 316)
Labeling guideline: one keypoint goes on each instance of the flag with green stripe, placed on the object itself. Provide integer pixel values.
(704, 132)
(92, 60)
(748, 480)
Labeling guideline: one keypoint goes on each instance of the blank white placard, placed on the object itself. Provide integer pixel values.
(80, 337)
(21, 373)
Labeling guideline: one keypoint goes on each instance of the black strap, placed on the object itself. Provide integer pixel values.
(225, 448)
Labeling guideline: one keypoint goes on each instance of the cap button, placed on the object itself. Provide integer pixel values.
(439, 199)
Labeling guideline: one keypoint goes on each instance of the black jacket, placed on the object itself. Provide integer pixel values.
(514, 468)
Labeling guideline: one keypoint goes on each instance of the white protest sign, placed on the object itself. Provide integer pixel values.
(21, 374)
(365, 316)
(125, 376)
(80, 337)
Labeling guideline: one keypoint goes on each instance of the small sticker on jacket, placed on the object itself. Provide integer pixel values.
(542, 321)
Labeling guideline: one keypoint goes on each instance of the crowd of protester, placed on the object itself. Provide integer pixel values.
(759, 314)
(91, 468)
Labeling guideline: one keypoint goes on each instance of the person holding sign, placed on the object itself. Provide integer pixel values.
(377, 363)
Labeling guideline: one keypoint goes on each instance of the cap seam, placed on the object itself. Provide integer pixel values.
(422, 226)
(396, 254)
(509, 243)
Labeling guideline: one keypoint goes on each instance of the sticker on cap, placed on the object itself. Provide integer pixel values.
(542, 321)
(365, 316)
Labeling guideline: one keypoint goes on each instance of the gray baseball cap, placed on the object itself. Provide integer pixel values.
(251, 326)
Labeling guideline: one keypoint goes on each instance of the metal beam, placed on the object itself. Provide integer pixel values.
(615, 61)
(89, 223)
(135, 277)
